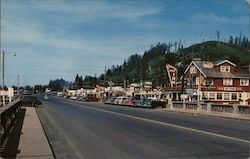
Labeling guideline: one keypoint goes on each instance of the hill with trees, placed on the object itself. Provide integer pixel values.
(151, 65)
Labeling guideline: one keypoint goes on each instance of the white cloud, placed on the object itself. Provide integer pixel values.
(216, 19)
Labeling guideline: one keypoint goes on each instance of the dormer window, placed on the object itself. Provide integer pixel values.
(224, 68)
(193, 70)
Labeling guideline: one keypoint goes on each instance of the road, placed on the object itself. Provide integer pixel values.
(97, 131)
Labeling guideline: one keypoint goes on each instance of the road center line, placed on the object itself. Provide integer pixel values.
(173, 125)
(168, 124)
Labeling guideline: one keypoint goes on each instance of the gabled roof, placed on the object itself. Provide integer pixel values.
(197, 66)
(212, 72)
(217, 63)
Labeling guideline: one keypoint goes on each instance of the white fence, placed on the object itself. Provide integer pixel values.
(234, 109)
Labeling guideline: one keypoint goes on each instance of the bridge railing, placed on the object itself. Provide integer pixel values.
(9, 114)
(235, 109)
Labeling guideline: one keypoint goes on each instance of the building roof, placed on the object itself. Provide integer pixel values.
(212, 72)
(217, 63)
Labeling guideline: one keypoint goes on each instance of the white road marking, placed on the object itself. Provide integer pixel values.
(172, 125)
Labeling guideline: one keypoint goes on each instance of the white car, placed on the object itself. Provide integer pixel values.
(73, 97)
(46, 97)
(59, 94)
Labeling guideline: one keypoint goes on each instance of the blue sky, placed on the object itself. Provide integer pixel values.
(58, 39)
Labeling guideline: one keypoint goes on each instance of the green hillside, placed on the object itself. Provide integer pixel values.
(212, 50)
(151, 65)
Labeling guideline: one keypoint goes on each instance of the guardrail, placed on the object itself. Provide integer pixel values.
(234, 109)
(9, 115)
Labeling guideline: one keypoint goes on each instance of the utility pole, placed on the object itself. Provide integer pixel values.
(104, 95)
(2, 60)
(18, 83)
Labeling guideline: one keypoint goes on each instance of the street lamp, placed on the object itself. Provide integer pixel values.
(3, 71)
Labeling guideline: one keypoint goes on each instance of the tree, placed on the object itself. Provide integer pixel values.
(56, 85)
(231, 40)
(217, 35)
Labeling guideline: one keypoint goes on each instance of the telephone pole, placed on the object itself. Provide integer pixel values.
(2, 71)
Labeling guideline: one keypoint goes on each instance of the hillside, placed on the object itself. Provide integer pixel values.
(151, 65)
(212, 50)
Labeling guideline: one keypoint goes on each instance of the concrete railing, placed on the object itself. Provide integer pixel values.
(212, 108)
(9, 115)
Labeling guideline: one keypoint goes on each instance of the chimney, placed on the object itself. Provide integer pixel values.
(247, 68)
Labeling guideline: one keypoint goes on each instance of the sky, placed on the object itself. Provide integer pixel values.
(60, 38)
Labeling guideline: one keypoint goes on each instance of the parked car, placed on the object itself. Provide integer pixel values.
(91, 99)
(158, 103)
(59, 94)
(82, 98)
(110, 100)
(46, 97)
(132, 100)
(29, 100)
(121, 100)
(73, 97)
(145, 102)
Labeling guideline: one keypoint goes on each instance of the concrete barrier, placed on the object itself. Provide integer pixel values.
(8, 117)
(212, 108)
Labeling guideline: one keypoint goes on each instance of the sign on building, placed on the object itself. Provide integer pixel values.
(172, 74)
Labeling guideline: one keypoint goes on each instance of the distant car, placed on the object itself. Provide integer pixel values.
(46, 97)
(91, 99)
(121, 100)
(73, 97)
(82, 98)
(144, 103)
(29, 100)
(59, 94)
(110, 100)
(132, 100)
(158, 103)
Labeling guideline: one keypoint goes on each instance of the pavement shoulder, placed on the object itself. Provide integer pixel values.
(33, 141)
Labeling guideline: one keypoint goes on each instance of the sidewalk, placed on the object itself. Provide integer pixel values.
(33, 142)
(213, 114)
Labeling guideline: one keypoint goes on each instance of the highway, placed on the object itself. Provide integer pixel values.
(98, 131)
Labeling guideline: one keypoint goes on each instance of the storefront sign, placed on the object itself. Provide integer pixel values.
(172, 74)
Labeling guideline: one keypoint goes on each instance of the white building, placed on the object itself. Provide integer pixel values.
(6, 96)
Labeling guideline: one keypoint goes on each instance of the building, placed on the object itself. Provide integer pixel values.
(6, 96)
(219, 82)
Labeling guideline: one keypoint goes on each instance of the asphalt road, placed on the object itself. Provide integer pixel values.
(97, 131)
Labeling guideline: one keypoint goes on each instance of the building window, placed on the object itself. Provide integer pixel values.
(193, 70)
(244, 82)
(224, 68)
(197, 81)
(205, 95)
(208, 82)
(212, 96)
(234, 96)
(219, 96)
(226, 96)
(227, 81)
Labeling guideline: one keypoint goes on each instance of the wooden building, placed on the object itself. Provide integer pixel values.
(218, 81)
